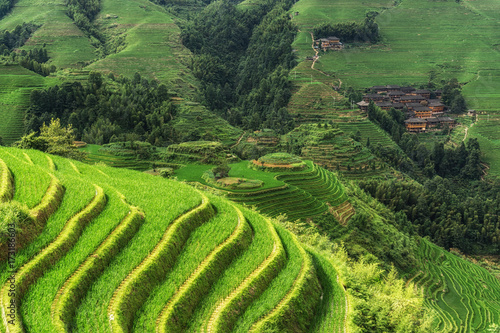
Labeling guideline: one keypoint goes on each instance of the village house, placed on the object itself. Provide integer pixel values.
(422, 113)
(424, 93)
(436, 106)
(375, 98)
(330, 43)
(416, 125)
(395, 96)
(411, 99)
(384, 105)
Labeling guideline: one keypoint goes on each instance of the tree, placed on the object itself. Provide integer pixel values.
(53, 139)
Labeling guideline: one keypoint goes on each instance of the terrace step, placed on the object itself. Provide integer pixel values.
(36, 267)
(76, 286)
(179, 309)
(142, 279)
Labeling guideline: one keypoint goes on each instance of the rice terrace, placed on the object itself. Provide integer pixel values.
(249, 166)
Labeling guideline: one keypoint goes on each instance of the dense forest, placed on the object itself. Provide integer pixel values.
(5, 6)
(244, 68)
(101, 112)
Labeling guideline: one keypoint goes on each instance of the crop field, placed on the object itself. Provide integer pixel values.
(67, 46)
(451, 39)
(111, 256)
(16, 84)
(151, 43)
(465, 296)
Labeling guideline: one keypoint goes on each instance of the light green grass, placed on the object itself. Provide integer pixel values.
(66, 44)
(16, 84)
(201, 242)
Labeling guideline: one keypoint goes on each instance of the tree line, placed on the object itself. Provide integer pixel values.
(100, 110)
(242, 67)
(5, 7)
(351, 32)
(458, 214)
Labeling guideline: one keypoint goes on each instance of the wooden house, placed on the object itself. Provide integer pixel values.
(416, 125)
(422, 112)
(411, 99)
(393, 88)
(447, 121)
(407, 90)
(398, 106)
(379, 89)
(411, 106)
(363, 105)
(432, 122)
(331, 43)
(384, 105)
(436, 106)
(438, 93)
(395, 96)
(375, 98)
(471, 113)
(424, 93)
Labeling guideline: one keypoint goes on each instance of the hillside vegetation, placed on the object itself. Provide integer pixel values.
(100, 240)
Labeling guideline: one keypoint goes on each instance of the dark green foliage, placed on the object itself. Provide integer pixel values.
(83, 12)
(453, 214)
(10, 40)
(5, 7)
(350, 32)
(98, 111)
(243, 67)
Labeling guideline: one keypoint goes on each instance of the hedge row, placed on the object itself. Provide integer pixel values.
(227, 311)
(6, 183)
(179, 310)
(75, 288)
(294, 312)
(136, 287)
(34, 269)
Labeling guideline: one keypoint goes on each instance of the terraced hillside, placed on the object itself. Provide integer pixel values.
(465, 296)
(332, 147)
(120, 250)
(16, 84)
(299, 194)
(413, 45)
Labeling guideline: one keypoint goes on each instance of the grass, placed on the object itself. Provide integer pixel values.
(67, 46)
(216, 230)
(278, 288)
(465, 296)
(16, 84)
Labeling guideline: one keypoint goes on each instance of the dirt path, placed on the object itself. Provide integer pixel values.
(239, 140)
(316, 51)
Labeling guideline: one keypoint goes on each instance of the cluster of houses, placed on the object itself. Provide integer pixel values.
(330, 43)
(423, 108)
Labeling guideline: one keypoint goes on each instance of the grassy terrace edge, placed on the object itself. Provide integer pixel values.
(35, 268)
(303, 295)
(6, 183)
(141, 280)
(228, 310)
(178, 311)
(76, 286)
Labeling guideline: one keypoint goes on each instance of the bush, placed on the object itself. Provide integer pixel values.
(12, 213)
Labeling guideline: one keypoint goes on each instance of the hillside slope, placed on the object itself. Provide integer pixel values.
(115, 232)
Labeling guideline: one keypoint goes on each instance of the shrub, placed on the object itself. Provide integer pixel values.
(12, 213)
